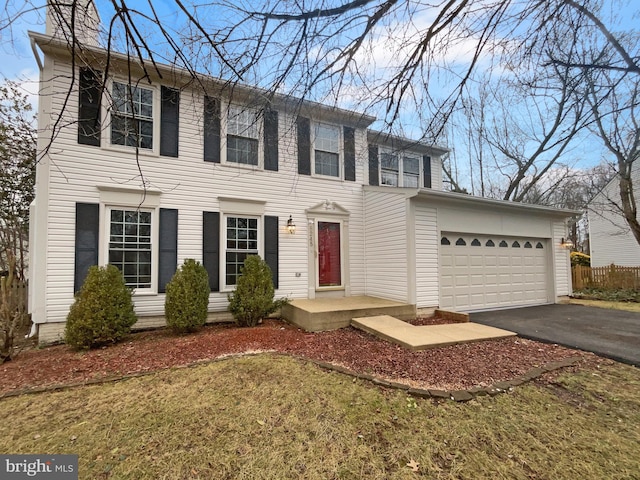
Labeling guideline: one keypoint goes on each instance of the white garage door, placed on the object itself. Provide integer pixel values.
(483, 271)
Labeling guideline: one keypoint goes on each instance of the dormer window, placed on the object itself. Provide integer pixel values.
(326, 150)
(242, 135)
(132, 116)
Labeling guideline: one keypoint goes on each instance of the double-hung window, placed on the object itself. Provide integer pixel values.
(390, 169)
(399, 170)
(242, 135)
(130, 245)
(410, 172)
(132, 116)
(241, 234)
(326, 150)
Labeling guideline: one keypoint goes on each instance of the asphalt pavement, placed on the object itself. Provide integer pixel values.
(610, 333)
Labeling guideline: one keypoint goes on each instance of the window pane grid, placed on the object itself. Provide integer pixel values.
(242, 150)
(327, 164)
(327, 138)
(399, 171)
(242, 241)
(130, 246)
(242, 122)
(132, 117)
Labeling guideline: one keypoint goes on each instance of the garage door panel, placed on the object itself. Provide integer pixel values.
(475, 275)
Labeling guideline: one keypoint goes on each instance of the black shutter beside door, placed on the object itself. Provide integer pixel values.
(271, 246)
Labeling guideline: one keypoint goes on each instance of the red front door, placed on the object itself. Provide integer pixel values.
(329, 274)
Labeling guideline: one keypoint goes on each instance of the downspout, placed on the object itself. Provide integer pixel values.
(364, 243)
(34, 327)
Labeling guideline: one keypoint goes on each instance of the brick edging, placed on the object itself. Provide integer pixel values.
(455, 395)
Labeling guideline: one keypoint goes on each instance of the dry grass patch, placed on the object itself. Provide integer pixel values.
(272, 416)
(626, 306)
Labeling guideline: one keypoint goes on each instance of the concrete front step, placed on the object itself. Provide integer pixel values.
(426, 336)
(322, 314)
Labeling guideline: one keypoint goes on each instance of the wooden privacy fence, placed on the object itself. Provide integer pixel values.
(605, 277)
(20, 289)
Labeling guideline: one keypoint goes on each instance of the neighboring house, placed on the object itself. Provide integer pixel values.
(610, 238)
(224, 171)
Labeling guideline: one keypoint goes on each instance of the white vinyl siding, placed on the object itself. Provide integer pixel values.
(426, 263)
(610, 237)
(386, 245)
(562, 261)
(191, 186)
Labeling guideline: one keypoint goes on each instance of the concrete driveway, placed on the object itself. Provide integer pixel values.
(610, 333)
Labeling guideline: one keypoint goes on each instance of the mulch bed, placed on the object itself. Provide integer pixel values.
(448, 368)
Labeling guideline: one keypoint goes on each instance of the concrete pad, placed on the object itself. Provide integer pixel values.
(343, 303)
(426, 336)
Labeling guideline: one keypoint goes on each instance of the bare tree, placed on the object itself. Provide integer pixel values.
(616, 123)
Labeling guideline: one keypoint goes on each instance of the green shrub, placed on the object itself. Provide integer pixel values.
(187, 300)
(102, 312)
(252, 299)
(581, 259)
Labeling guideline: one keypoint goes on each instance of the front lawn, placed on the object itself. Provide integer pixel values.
(272, 416)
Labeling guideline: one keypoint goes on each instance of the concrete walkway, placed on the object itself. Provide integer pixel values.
(428, 336)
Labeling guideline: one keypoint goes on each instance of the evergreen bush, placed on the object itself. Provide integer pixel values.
(187, 300)
(253, 299)
(103, 310)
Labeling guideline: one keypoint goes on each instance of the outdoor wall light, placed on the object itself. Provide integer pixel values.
(291, 227)
(566, 243)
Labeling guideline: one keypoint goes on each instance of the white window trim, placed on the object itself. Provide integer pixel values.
(342, 254)
(224, 117)
(106, 119)
(401, 156)
(340, 176)
(104, 231)
(224, 288)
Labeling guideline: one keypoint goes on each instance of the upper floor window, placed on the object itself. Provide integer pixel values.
(398, 170)
(326, 150)
(242, 135)
(132, 116)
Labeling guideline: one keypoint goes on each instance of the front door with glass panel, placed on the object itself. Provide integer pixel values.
(329, 259)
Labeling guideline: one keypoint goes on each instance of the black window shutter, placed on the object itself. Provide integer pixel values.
(271, 246)
(349, 153)
(304, 146)
(271, 140)
(89, 107)
(169, 121)
(211, 248)
(211, 129)
(86, 247)
(167, 247)
(373, 165)
(426, 168)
